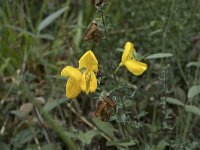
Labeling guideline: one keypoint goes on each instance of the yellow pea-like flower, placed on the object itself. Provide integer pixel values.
(128, 53)
(73, 87)
(77, 81)
(135, 67)
(88, 80)
(88, 61)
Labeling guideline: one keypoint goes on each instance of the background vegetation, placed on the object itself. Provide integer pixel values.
(162, 107)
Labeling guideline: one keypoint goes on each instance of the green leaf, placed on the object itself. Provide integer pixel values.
(155, 32)
(50, 147)
(196, 64)
(18, 29)
(127, 103)
(161, 145)
(23, 31)
(4, 146)
(51, 105)
(123, 142)
(16, 113)
(159, 55)
(87, 136)
(120, 49)
(48, 20)
(106, 127)
(45, 36)
(193, 109)
(5, 64)
(71, 134)
(78, 35)
(22, 137)
(193, 91)
(32, 147)
(174, 101)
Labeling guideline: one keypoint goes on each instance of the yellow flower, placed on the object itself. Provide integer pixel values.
(73, 88)
(88, 80)
(134, 66)
(88, 61)
(77, 81)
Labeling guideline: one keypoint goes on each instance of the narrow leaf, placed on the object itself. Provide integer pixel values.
(159, 55)
(174, 101)
(87, 136)
(123, 142)
(106, 127)
(50, 147)
(196, 64)
(48, 20)
(51, 105)
(193, 91)
(23, 31)
(78, 35)
(45, 36)
(192, 109)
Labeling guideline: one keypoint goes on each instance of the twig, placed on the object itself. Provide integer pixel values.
(87, 122)
(41, 121)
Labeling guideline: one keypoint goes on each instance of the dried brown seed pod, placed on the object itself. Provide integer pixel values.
(92, 32)
(105, 108)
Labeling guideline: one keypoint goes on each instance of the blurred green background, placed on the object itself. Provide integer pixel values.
(39, 38)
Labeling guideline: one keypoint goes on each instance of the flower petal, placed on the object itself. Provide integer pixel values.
(72, 88)
(95, 68)
(128, 53)
(83, 82)
(88, 61)
(88, 82)
(135, 67)
(93, 82)
(71, 72)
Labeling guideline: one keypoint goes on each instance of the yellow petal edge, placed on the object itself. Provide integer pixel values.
(73, 88)
(135, 67)
(128, 52)
(88, 61)
(72, 72)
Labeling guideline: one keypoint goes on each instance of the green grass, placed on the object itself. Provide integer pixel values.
(162, 107)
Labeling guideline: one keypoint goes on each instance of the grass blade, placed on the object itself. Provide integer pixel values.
(47, 21)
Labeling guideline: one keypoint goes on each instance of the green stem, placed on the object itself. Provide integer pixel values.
(117, 69)
(181, 71)
(152, 125)
(189, 118)
(106, 39)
